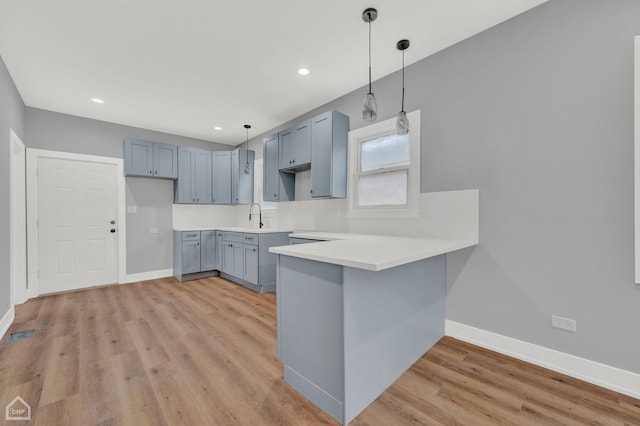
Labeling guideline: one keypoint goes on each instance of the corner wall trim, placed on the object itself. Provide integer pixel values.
(144, 276)
(6, 321)
(616, 379)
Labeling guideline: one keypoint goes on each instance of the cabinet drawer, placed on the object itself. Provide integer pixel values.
(191, 235)
(296, 240)
(251, 239)
(232, 236)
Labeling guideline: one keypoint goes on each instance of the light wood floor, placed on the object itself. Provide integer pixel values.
(204, 353)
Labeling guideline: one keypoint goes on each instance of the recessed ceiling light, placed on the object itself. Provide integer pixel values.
(217, 128)
(303, 71)
(97, 100)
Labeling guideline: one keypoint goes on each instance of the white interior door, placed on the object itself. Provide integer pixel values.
(77, 229)
(18, 222)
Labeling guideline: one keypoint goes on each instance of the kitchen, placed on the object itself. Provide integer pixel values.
(520, 112)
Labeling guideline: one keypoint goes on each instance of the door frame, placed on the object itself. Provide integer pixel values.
(17, 216)
(33, 155)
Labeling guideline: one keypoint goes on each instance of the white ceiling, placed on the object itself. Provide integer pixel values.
(185, 66)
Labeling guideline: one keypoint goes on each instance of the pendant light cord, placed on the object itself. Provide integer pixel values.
(369, 15)
(403, 80)
(247, 144)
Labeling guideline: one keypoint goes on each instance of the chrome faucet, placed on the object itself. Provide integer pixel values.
(259, 211)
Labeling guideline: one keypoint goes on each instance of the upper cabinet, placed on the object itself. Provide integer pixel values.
(277, 185)
(221, 177)
(242, 176)
(329, 135)
(295, 147)
(150, 159)
(194, 177)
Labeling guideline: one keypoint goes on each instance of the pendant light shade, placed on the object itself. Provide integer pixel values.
(370, 104)
(247, 166)
(402, 122)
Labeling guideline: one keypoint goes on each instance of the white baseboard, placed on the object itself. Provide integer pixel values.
(144, 276)
(7, 320)
(616, 379)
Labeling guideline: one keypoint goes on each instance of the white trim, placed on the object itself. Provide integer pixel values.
(616, 379)
(32, 209)
(17, 221)
(144, 276)
(636, 150)
(383, 128)
(6, 321)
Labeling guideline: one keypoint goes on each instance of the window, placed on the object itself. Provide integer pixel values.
(384, 173)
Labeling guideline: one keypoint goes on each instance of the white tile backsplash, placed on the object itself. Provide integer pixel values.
(442, 214)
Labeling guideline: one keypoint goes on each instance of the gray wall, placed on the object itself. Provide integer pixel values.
(538, 114)
(153, 197)
(11, 117)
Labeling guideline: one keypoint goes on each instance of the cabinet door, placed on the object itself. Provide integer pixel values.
(138, 158)
(286, 149)
(218, 255)
(190, 256)
(233, 259)
(165, 161)
(329, 138)
(203, 177)
(270, 184)
(250, 270)
(184, 186)
(321, 156)
(242, 176)
(221, 177)
(302, 144)
(207, 250)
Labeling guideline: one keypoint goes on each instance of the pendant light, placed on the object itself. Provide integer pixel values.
(369, 105)
(402, 123)
(247, 166)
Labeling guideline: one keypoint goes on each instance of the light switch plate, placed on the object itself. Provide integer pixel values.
(132, 209)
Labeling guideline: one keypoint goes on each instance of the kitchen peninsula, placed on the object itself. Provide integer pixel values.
(355, 311)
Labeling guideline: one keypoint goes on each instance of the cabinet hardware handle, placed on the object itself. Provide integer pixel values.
(113, 231)
(275, 195)
(254, 249)
(156, 172)
(197, 244)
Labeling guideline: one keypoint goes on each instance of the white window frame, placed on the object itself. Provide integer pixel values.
(383, 128)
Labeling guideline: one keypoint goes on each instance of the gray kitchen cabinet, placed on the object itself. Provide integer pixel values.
(150, 159)
(329, 155)
(295, 147)
(184, 186)
(277, 185)
(243, 258)
(242, 176)
(203, 177)
(186, 253)
(221, 177)
(232, 258)
(250, 269)
(218, 255)
(193, 185)
(207, 250)
(247, 261)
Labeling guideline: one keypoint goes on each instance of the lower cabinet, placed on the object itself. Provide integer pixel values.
(232, 258)
(194, 254)
(241, 257)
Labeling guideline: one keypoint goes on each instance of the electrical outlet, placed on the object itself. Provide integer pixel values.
(563, 323)
(154, 231)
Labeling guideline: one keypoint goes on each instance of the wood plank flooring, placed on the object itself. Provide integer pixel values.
(204, 353)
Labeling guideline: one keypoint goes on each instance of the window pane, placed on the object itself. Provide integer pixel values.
(386, 151)
(384, 189)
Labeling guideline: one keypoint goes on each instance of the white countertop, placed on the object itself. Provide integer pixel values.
(237, 229)
(370, 252)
